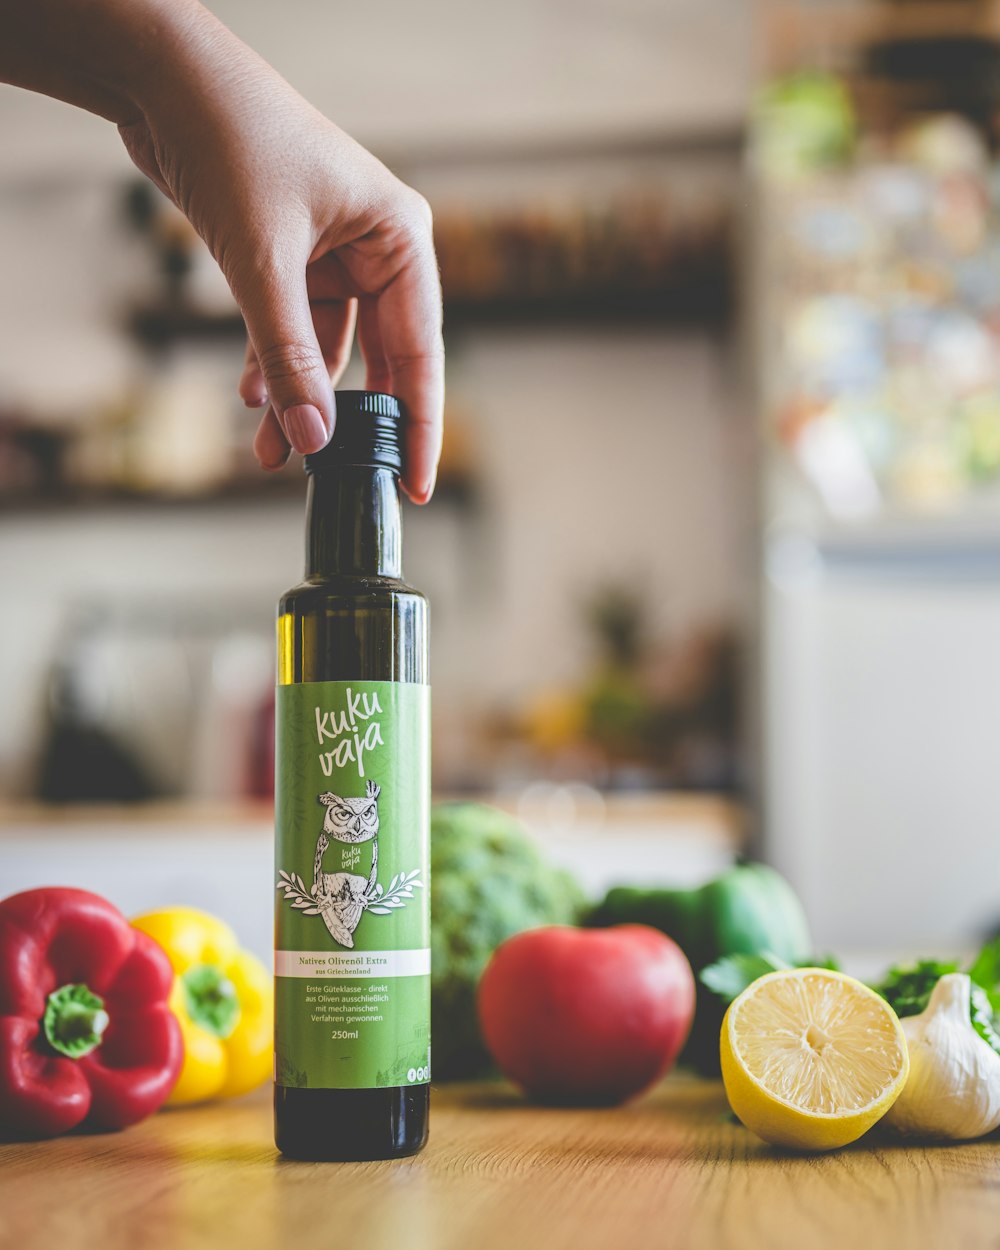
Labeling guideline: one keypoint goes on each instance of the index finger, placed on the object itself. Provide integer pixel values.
(408, 325)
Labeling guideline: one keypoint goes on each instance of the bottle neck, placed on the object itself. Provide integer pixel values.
(353, 523)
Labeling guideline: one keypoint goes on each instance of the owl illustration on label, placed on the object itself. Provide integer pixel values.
(341, 898)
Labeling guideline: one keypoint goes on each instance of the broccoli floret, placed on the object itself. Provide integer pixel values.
(488, 882)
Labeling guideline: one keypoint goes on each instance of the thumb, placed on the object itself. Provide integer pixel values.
(279, 323)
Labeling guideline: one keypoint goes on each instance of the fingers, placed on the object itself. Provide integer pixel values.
(270, 445)
(334, 322)
(377, 374)
(401, 340)
(334, 325)
(280, 326)
(296, 350)
(252, 389)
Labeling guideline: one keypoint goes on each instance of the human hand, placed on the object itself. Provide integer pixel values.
(313, 235)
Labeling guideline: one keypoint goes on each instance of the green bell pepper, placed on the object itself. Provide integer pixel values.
(750, 909)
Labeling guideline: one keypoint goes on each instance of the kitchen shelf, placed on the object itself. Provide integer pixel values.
(458, 490)
(160, 325)
(702, 298)
(795, 34)
(725, 139)
(717, 818)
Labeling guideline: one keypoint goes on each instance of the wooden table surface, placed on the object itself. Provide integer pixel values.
(671, 1170)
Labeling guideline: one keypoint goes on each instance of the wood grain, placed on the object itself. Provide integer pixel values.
(670, 1171)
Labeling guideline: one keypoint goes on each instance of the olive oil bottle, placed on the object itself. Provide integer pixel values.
(352, 794)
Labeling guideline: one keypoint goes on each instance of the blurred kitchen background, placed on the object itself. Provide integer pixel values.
(715, 554)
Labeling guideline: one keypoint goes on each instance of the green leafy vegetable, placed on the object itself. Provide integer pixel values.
(729, 977)
(907, 989)
(984, 1016)
(985, 968)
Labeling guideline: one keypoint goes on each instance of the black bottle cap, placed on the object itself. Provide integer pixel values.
(368, 432)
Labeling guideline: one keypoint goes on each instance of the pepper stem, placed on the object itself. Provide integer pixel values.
(74, 1021)
(211, 999)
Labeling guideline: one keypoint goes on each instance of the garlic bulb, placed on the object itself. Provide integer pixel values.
(953, 1089)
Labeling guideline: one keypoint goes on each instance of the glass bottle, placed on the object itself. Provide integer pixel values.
(352, 794)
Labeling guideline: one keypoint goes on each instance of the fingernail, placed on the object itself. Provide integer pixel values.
(424, 494)
(272, 466)
(306, 428)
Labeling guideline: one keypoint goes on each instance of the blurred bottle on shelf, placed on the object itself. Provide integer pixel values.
(82, 759)
(161, 699)
(229, 760)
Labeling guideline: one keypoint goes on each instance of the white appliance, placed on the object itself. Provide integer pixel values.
(881, 718)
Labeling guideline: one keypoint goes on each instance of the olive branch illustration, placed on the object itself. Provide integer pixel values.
(296, 893)
(381, 903)
(400, 888)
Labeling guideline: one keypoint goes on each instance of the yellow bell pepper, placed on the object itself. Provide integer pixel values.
(223, 998)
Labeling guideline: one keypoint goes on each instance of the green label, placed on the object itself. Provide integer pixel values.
(352, 933)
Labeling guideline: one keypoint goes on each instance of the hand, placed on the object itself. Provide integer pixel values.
(312, 233)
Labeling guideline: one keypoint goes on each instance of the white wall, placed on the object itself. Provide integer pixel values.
(68, 271)
(392, 73)
(612, 457)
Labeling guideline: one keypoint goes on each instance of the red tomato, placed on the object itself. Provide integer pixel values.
(586, 1015)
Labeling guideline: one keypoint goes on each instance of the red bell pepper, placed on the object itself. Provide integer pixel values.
(86, 1035)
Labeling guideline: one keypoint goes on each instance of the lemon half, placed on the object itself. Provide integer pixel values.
(811, 1059)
